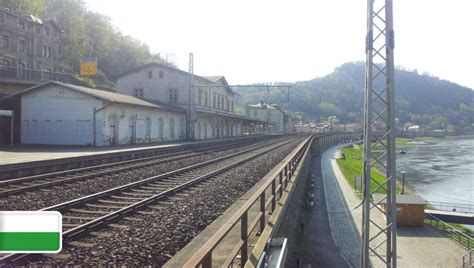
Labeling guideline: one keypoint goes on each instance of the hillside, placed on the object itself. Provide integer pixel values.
(86, 33)
(422, 99)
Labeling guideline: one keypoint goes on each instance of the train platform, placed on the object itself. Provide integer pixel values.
(416, 246)
(31, 153)
(25, 153)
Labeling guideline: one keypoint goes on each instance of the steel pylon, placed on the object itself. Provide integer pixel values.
(379, 225)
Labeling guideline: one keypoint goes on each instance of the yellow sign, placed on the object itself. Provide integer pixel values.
(88, 66)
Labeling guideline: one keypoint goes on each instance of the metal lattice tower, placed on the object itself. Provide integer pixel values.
(378, 244)
(191, 111)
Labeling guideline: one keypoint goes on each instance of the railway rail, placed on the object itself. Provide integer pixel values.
(85, 214)
(21, 185)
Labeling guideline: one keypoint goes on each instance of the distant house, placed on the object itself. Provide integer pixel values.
(415, 128)
(279, 121)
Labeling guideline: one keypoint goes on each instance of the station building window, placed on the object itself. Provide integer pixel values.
(21, 45)
(138, 92)
(173, 95)
(171, 129)
(160, 128)
(5, 41)
(21, 25)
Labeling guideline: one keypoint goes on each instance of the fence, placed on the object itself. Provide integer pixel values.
(28, 75)
(466, 208)
(275, 186)
(467, 260)
(455, 234)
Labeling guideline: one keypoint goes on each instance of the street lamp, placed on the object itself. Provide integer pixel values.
(403, 182)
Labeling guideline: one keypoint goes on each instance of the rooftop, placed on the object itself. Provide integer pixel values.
(96, 93)
(412, 199)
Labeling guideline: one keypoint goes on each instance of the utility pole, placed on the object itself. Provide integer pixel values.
(191, 111)
(378, 242)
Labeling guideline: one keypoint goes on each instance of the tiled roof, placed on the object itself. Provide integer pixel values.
(99, 94)
(402, 199)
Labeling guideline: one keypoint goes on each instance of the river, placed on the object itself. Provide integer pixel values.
(440, 169)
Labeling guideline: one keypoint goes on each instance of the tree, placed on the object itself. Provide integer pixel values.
(24, 7)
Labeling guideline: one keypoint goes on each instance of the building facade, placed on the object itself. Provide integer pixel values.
(28, 43)
(211, 98)
(279, 122)
(63, 114)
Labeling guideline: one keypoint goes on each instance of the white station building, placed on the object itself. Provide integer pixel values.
(211, 96)
(55, 113)
(63, 114)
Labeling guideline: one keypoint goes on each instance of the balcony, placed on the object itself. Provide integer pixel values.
(12, 74)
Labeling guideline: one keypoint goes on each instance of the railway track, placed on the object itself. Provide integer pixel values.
(82, 215)
(21, 185)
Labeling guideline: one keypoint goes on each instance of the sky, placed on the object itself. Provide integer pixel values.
(255, 41)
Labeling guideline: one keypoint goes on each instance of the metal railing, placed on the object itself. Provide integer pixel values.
(204, 256)
(445, 206)
(452, 232)
(28, 75)
(467, 260)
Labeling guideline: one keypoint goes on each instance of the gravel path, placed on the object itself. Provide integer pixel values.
(416, 247)
(153, 235)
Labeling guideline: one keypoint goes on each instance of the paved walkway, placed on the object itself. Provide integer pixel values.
(315, 245)
(23, 154)
(416, 247)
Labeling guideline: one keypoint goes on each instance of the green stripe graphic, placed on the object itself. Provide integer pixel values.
(29, 241)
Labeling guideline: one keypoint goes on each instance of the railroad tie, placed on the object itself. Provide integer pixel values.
(81, 244)
(125, 198)
(133, 219)
(90, 211)
(70, 225)
(103, 206)
(141, 191)
(147, 212)
(150, 188)
(119, 226)
(68, 217)
(117, 202)
(137, 194)
(102, 234)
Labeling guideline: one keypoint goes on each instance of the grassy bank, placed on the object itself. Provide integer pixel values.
(352, 166)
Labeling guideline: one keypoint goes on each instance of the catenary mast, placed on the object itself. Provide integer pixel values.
(378, 244)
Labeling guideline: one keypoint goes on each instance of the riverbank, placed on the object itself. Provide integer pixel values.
(422, 169)
(351, 166)
(416, 247)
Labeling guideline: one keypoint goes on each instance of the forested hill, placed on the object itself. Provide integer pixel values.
(422, 99)
(87, 34)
